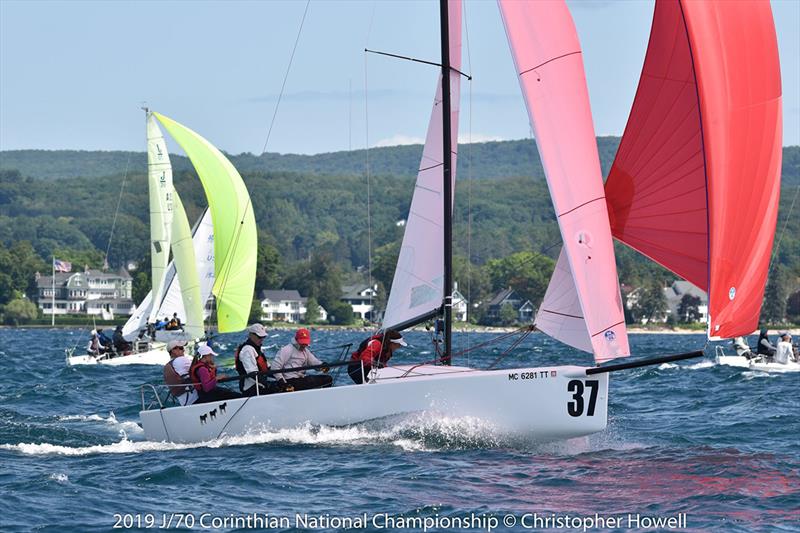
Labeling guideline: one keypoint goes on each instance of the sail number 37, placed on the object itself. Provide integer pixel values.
(577, 387)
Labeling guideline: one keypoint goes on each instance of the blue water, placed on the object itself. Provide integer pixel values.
(719, 444)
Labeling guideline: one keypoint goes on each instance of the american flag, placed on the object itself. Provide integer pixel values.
(62, 266)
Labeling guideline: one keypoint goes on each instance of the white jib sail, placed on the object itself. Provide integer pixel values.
(417, 287)
(174, 301)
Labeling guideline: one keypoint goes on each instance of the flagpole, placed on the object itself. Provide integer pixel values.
(53, 296)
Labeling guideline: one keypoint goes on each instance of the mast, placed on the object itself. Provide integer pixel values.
(448, 186)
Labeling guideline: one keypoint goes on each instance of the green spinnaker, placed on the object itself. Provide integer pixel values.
(235, 239)
(186, 268)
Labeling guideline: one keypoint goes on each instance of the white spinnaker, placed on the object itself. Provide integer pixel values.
(160, 188)
(417, 287)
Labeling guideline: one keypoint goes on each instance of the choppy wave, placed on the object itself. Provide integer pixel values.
(411, 433)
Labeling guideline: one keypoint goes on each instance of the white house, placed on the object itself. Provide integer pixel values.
(360, 298)
(675, 294)
(460, 306)
(286, 306)
(92, 292)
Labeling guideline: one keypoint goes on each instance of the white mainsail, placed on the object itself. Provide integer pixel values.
(160, 188)
(417, 287)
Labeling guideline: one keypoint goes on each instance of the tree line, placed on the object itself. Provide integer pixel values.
(317, 232)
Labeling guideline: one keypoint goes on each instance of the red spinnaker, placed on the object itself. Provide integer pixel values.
(696, 181)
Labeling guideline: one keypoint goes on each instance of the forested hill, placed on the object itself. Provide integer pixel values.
(487, 160)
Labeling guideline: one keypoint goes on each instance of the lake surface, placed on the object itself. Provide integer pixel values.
(713, 447)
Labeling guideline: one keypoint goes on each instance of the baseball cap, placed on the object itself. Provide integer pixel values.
(258, 330)
(205, 349)
(400, 341)
(303, 336)
(174, 344)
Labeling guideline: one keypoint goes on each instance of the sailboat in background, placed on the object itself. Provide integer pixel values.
(217, 256)
(582, 306)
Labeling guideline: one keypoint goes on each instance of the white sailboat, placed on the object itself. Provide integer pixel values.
(567, 401)
(582, 306)
(184, 284)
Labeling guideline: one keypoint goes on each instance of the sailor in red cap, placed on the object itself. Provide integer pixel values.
(297, 354)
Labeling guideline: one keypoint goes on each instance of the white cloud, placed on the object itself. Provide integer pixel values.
(397, 140)
(465, 138)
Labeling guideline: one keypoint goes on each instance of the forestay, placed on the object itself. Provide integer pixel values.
(583, 307)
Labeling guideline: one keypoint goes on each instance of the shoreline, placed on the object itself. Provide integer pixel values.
(792, 330)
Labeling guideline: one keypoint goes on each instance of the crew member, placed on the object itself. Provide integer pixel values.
(298, 354)
(375, 351)
(251, 364)
(176, 374)
(204, 376)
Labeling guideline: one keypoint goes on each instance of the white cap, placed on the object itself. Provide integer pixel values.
(399, 341)
(258, 330)
(174, 344)
(93, 332)
(205, 349)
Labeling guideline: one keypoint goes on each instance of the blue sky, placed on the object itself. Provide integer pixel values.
(73, 75)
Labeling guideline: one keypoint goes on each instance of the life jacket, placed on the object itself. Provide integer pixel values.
(356, 356)
(178, 383)
(261, 361)
(198, 384)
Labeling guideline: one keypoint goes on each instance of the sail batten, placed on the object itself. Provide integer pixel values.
(583, 294)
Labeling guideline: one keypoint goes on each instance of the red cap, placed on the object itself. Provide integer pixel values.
(303, 336)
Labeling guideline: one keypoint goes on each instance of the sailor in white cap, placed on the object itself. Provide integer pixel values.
(250, 359)
(176, 373)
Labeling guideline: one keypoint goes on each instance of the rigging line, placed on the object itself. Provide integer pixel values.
(366, 162)
(116, 213)
(285, 77)
(785, 223)
(407, 58)
(229, 264)
(527, 331)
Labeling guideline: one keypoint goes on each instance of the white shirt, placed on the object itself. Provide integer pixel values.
(784, 353)
(181, 365)
(291, 356)
(247, 356)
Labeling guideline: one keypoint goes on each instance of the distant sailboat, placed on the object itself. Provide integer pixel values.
(217, 257)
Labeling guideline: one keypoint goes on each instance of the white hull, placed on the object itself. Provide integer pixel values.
(756, 364)
(157, 356)
(528, 402)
